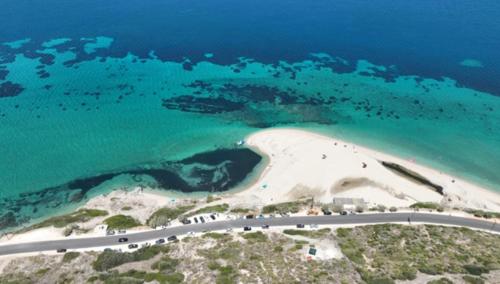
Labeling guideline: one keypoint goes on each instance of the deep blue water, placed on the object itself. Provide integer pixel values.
(424, 37)
(96, 95)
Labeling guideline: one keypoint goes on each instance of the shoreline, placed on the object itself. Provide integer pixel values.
(292, 168)
(400, 160)
(462, 190)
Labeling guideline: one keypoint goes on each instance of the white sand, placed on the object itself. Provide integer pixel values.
(297, 168)
(136, 203)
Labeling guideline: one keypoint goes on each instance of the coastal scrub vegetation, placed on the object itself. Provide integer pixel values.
(427, 205)
(315, 234)
(109, 259)
(374, 254)
(82, 215)
(121, 222)
(483, 214)
(386, 253)
(240, 210)
(219, 208)
(70, 256)
(163, 216)
(286, 207)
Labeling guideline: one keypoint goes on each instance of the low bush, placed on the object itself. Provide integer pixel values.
(82, 215)
(121, 222)
(69, 256)
(110, 259)
(164, 215)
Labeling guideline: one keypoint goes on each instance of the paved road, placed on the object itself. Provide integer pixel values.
(240, 223)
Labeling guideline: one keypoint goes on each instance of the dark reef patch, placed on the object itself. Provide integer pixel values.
(9, 89)
(213, 171)
(3, 73)
(201, 105)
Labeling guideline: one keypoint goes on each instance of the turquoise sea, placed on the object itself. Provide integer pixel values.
(97, 95)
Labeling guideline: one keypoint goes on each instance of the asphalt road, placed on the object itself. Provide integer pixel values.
(152, 235)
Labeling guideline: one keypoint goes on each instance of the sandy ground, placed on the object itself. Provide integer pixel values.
(137, 203)
(301, 164)
(308, 164)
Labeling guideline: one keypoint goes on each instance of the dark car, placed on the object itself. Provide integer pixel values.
(61, 250)
(160, 241)
(195, 220)
(249, 216)
(327, 212)
(300, 226)
(133, 246)
(172, 238)
(343, 213)
(202, 219)
(265, 226)
(186, 221)
(123, 240)
(247, 228)
(212, 216)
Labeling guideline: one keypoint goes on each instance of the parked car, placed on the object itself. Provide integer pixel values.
(327, 212)
(160, 241)
(265, 226)
(110, 232)
(123, 240)
(247, 228)
(195, 220)
(250, 216)
(61, 250)
(133, 246)
(343, 212)
(300, 226)
(202, 219)
(212, 216)
(186, 221)
(260, 216)
(172, 238)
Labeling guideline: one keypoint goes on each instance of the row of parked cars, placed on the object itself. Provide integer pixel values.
(157, 242)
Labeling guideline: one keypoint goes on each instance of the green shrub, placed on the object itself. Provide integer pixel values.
(226, 275)
(426, 205)
(286, 207)
(166, 264)
(306, 233)
(69, 256)
(442, 280)
(164, 215)
(82, 215)
(121, 222)
(110, 259)
(472, 280)
(241, 210)
(475, 269)
(256, 236)
(219, 208)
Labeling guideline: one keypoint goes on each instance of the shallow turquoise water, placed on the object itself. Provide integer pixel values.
(108, 113)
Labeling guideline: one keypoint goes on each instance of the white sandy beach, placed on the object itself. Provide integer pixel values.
(301, 164)
(308, 164)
